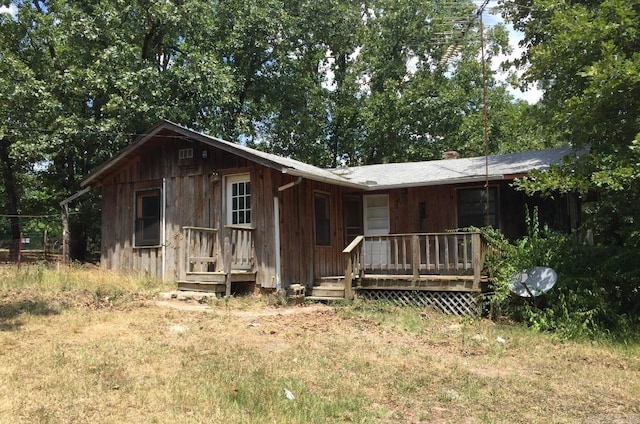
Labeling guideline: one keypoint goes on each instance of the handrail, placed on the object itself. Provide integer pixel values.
(211, 230)
(354, 243)
(445, 233)
(353, 253)
(211, 250)
(239, 227)
(238, 251)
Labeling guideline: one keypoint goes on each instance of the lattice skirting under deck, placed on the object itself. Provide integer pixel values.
(449, 302)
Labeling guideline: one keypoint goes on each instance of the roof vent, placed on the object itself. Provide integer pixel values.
(450, 154)
(185, 154)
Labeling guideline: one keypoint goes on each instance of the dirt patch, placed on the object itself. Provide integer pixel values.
(199, 303)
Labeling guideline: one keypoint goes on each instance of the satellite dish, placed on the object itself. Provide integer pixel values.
(533, 282)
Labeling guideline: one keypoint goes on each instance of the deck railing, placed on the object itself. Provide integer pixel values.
(201, 249)
(203, 245)
(241, 247)
(415, 255)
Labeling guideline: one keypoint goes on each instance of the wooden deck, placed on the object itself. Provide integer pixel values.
(214, 266)
(440, 268)
(424, 282)
(428, 262)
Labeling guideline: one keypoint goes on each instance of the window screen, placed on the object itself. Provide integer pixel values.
(147, 232)
(322, 219)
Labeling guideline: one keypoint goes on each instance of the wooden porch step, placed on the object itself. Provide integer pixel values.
(209, 287)
(204, 277)
(328, 291)
(331, 281)
(219, 276)
(325, 298)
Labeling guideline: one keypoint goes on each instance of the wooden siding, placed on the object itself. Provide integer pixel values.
(262, 188)
(303, 261)
(404, 209)
(191, 199)
(296, 232)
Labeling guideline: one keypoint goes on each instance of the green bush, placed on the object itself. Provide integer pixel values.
(598, 290)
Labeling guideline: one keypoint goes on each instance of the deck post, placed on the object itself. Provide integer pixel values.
(65, 234)
(226, 261)
(353, 249)
(188, 251)
(415, 258)
(348, 278)
(476, 254)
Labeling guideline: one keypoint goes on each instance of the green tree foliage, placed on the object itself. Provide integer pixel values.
(331, 82)
(83, 78)
(368, 84)
(585, 56)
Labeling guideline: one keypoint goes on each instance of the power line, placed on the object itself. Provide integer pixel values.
(85, 133)
(30, 216)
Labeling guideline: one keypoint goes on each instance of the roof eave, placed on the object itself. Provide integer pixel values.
(448, 181)
(121, 154)
(298, 173)
(164, 124)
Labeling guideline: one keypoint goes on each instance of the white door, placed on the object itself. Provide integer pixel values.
(376, 223)
(238, 198)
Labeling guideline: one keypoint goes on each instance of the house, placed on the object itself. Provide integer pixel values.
(214, 215)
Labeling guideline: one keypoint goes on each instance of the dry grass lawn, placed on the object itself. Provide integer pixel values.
(79, 346)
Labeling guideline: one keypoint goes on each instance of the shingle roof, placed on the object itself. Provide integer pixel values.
(451, 171)
(368, 177)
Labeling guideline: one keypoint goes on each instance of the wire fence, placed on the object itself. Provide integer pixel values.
(31, 247)
(33, 242)
(40, 240)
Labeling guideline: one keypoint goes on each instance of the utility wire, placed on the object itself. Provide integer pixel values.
(31, 216)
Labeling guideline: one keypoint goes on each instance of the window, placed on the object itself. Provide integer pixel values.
(185, 158)
(239, 200)
(322, 219)
(472, 207)
(185, 154)
(147, 232)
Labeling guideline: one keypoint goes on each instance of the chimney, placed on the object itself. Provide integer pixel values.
(451, 154)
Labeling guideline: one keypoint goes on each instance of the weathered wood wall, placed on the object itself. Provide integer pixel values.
(303, 261)
(191, 199)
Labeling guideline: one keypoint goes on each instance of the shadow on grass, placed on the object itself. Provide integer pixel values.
(12, 310)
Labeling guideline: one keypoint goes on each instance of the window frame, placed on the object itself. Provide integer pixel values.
(229, 181)
(327, 239)
(139, 219)
(494, 191)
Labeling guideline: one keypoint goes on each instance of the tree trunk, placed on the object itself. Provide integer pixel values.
(11, 198)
